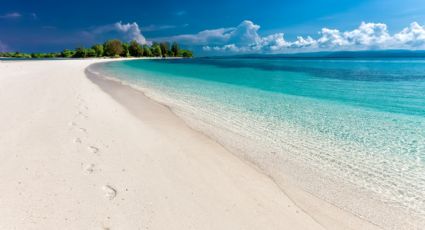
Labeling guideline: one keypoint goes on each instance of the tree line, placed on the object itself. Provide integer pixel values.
(112, 48)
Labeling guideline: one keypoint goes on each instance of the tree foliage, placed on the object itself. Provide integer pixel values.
(165, 48)
(147, 51)
(175, 49)
(135, 49)
(112, 48)
(66, 53)
(98, 48)
(80, 52)
(156, 50)
(125, 52)
(186, 53)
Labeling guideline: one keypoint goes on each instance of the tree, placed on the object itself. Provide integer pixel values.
(66, 53)
(156, 50)
(147, 52)
(165, 47)
(186, 53)
(135, 49)
(113, 48)
(125, 52)
(80, 52)
(98, 49)
(175, 50)
(90, 52)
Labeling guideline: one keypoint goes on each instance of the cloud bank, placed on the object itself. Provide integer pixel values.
(126, 31)
(245, 38)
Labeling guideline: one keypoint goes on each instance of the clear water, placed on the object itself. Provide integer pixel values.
(351, 132)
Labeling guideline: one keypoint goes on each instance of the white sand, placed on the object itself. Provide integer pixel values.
(72, 157)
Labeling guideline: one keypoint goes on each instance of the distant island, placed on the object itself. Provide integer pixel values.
(111, 48)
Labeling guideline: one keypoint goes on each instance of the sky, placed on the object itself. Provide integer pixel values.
(215, 27)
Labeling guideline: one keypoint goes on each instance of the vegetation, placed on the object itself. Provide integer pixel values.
(112, 48)
(156, 50)
(98, 49)
(175, 50)
(135, 49)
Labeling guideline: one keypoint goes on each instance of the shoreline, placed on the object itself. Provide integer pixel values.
(81, 160)
(325, 213)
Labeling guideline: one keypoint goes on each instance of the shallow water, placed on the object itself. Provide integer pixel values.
(351, 132)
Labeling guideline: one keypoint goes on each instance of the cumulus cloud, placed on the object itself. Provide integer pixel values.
(245, 38)
(206, 37)
(13, 15)
(126, 31)
(413, 36)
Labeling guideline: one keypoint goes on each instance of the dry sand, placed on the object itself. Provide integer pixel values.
(75, 157)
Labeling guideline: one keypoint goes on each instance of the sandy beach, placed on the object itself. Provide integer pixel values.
(73, 156)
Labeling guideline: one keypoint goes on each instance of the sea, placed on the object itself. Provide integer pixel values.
(348, 131)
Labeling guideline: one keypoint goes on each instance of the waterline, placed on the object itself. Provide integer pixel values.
(363, 152)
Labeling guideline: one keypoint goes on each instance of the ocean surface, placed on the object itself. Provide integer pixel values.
(350, 132)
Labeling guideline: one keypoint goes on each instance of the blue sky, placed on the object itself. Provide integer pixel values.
(267, 26)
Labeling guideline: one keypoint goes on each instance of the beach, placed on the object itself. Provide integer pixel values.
(76, 157)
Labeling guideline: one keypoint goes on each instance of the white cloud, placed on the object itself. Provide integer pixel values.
(245, 38)
(206, 37)
(11, 15)
(331, 38)
(413, 36)
(244, 34)
(126, 31)
(131, 31)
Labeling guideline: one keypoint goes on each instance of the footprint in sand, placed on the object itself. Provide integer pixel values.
(110, 192)
(77, 140)
(83, 130)
(89, 168)
(82, 114)
(93, 149)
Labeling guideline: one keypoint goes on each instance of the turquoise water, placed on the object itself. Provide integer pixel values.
(349, 131)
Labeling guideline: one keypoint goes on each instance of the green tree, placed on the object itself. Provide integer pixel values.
(186, 53)
(90, 52)
(37, 55)
(80, 52)
(135, 49)
(175, 49)
(98, 48)
(125, 52)
(113, 48)
(66, 53)
(156, 50)
(147, 52)
(165, 47)
(51, 55)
